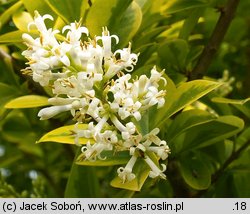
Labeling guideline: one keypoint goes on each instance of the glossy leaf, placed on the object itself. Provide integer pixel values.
(11, 37)
(9, 12)
(241, 181)
(243, 137)
(184, 95)
(28, 101)
(7, 93)
(174, 53)
(211, 132)
(68, 10)
(229, 101)
(190, 23)
(129, 24)
(64, 134)
(187, 120)
(101, 15)
(181, 5)
(16, 128)
(38, 5)
(122, 18)
(21, 20)
(195, 172)
(110, 159)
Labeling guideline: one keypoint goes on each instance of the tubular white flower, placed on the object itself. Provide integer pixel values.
(94, 109)
(43, 78)
(155, 171)
(92, 152)
(156, 77)
(49, 112)
(39, 22)
(30, 41)
(75, 32)
(106, 42)
(125, 173)
(127, 60)
(162, 151)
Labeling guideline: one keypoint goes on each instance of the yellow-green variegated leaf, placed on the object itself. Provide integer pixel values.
(11, 37)
(230, 101)
(110, 159)
(6, 15)
(28, 101)
(68, 10)
(64, 134)
(21, 20)
(183, 96)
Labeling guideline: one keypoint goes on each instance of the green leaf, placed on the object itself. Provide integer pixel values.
(64, 134)
(122, 18)
(195, 172)
(241, 181)
(101, 15)
(190, 23)
(21, 20)
(174, 53)
(16, 128)
(9, 12)
(68, 10)
(11, 37)
(148, 36)
(242, 105)
(82, 182)
(211, 132)
(181, 5)
(28, 101)
(243, 137)
(229, 101)
(110, 159)
(39, 5)
(184, 95)
(185, 121)
(7, 93)
(129, 24)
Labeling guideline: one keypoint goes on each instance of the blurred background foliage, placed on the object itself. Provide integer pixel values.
(209, 139)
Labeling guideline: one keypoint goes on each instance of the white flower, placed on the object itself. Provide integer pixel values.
(126, 131)
(87, 79)
(162, 151)
(125, 173)
(42, 77)
(106, 42)
(39, 22)
(49, 112)
(156, 77)
(91, 152)
(127, 59)
(155, 171)
(75, 32)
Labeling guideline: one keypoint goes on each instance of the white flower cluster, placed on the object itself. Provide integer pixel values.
(86, 79)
